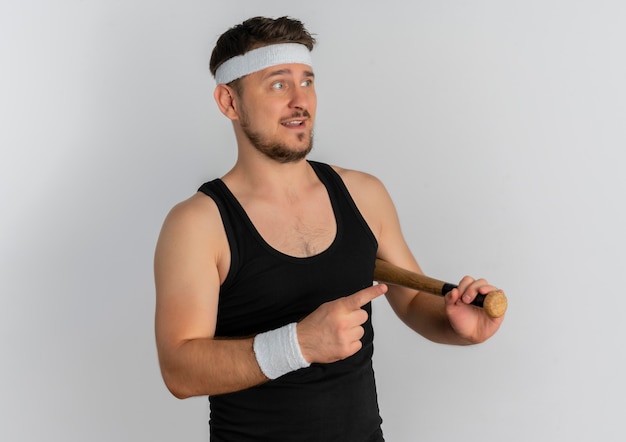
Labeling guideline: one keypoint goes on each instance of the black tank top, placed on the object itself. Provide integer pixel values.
(266, 289)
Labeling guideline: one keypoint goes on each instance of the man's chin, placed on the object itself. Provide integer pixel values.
(283, 153)
(285, 156)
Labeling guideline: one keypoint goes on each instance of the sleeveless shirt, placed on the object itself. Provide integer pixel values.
(266, 289)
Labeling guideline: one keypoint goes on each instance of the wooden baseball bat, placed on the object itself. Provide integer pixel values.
(494, 303)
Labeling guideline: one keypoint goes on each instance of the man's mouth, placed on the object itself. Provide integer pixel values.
(297, 119)
(293, 123)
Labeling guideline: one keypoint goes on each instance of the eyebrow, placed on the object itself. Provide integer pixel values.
(278, 72)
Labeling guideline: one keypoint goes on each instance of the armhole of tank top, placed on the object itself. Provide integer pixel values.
(330, 174)
(212, 190)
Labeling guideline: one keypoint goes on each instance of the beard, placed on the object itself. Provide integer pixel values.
(275, 150)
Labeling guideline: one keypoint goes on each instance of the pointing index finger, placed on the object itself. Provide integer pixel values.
(362, 297)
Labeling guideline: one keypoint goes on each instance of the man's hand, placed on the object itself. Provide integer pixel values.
(470, 323)
(334, 330)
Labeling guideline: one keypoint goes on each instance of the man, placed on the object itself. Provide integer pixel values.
(264, 277)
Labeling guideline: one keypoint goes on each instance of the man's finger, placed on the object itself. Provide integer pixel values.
(362, 297)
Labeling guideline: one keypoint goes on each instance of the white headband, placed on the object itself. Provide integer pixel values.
(261, 58)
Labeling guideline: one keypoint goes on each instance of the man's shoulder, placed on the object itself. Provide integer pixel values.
(197, 211)
(369, 195)
(357, 180)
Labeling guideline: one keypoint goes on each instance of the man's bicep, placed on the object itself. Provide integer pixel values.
(186, 278)
(378, 209)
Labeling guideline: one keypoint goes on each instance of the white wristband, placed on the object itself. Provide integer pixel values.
(278, 351)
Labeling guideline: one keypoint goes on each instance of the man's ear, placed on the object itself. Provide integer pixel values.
(225, 98)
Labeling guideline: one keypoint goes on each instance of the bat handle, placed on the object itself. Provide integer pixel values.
(494, 303)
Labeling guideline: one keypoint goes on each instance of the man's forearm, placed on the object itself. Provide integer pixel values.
(427, 316)
(211, 366)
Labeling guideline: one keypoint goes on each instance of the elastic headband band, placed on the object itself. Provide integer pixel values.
(261, 58)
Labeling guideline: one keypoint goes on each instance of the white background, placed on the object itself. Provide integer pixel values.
(497, 126)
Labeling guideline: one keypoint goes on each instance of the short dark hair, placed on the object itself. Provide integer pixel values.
(257, 32)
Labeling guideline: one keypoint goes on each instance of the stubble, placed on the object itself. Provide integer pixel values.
(276, 150)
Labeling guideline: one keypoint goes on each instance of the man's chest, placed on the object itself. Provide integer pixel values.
(299, 230)
(301, 234)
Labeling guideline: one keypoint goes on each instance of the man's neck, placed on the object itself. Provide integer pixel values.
(264, 176)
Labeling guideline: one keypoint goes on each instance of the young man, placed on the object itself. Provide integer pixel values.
(264, 277)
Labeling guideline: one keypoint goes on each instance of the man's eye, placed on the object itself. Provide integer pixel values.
(278, 85)
(306, 83)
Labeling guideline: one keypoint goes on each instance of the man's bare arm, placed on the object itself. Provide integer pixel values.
(443, 320)
(190, 261)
